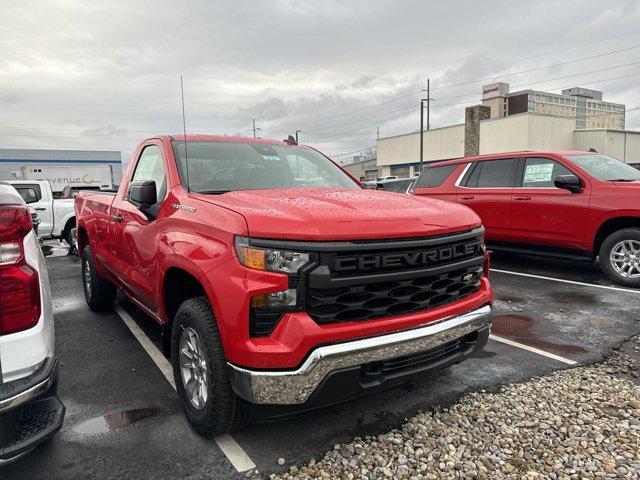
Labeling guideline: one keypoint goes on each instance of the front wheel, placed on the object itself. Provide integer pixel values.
(200, 371)
(620, 257)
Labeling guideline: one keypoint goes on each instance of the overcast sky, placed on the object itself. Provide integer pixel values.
(103, 75)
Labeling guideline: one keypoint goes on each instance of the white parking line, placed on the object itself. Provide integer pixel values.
(562, 280)
(532, 349)
(232, 450)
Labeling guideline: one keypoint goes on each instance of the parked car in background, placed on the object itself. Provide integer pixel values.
(572, 204)
(280, 283)
(401, 185)
(388, 177)
(57, 216)
(30, 411)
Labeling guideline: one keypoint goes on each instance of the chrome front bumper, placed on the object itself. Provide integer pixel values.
(292, 387)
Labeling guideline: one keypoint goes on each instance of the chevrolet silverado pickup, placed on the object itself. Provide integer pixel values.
(574, 204)
(280, 283)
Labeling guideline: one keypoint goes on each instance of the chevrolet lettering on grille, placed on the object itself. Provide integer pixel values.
(373, 261)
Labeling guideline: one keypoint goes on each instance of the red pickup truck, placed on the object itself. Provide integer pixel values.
(281, 284)
(572, 204)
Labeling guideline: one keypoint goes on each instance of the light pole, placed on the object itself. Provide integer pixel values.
(422, 132)
(422, 101)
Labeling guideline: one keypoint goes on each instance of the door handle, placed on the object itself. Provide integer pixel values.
(468, 197)
(117, 218)
(40, 209)
(522, 198)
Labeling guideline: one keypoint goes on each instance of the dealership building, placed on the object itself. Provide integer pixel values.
(14, 160)
(577, 119)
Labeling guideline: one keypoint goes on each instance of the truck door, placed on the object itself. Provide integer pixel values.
(487, 189)
(543, 214)
(136, 241)
(35, 197)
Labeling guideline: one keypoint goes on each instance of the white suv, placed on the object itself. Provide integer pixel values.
(30, 411)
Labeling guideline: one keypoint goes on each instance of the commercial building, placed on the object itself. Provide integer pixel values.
(14, 160)
(525, 120)
(363, 169)
(584, 105)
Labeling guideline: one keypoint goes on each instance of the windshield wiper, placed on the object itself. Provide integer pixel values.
(212, 192)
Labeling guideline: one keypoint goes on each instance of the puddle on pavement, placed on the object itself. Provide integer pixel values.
(518, 328)
(114, 421)
(576, 298)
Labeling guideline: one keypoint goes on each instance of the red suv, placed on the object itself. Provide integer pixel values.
(573, 204)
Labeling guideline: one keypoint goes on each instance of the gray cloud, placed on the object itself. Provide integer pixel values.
(110, 70)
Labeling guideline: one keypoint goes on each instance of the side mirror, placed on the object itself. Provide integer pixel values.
(144, 196)
(568, 182)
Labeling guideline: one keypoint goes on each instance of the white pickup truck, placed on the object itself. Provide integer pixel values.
(57, 217)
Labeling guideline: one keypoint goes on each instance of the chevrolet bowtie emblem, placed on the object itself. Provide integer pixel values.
(468, 277)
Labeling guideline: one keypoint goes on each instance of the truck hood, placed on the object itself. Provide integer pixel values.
(328, 214)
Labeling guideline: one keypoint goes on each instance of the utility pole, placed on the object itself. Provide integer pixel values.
(255, 129)
(422, 102)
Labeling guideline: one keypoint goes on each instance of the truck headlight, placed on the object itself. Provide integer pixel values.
(284, 261)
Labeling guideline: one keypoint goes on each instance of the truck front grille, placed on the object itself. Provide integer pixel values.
(376, 280)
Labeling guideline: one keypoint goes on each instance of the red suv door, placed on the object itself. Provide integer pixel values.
(541, 213)
(487, 187)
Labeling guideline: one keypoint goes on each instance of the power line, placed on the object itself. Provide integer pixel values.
(567, 62)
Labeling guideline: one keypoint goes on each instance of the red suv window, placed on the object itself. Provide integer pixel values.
(434, 176)
(492, 174)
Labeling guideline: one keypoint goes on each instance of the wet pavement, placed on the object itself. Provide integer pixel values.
(124, 419)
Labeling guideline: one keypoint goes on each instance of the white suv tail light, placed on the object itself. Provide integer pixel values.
(19, 284)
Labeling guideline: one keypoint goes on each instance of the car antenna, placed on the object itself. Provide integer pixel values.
(184, 132)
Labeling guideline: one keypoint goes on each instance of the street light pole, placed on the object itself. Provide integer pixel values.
(422, 101)
(421, 134)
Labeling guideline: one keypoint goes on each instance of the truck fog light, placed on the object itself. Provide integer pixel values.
(286, 298)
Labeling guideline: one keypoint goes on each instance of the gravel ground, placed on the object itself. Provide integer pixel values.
(578, 423)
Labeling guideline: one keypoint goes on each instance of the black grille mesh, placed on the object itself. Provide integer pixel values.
(382, 299)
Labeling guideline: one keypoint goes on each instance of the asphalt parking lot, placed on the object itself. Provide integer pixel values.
(124, 419)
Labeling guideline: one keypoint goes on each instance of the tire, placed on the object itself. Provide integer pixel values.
(69, 239)
(625, 246)
(99, 293)
(221, 411)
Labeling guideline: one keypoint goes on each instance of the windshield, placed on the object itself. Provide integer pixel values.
(604, 167)
(218, 167)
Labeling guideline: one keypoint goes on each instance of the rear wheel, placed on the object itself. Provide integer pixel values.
(200, 371)
(99, 293)
(620, 257)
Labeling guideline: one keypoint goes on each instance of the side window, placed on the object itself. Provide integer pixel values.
(432, 177)
(540, 172)
(493, 174)
(150, 167)
(29, 193)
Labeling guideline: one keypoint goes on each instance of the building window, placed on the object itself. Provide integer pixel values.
(400, 171)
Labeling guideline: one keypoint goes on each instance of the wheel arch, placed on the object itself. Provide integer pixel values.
(610, 226)
(180, 282)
